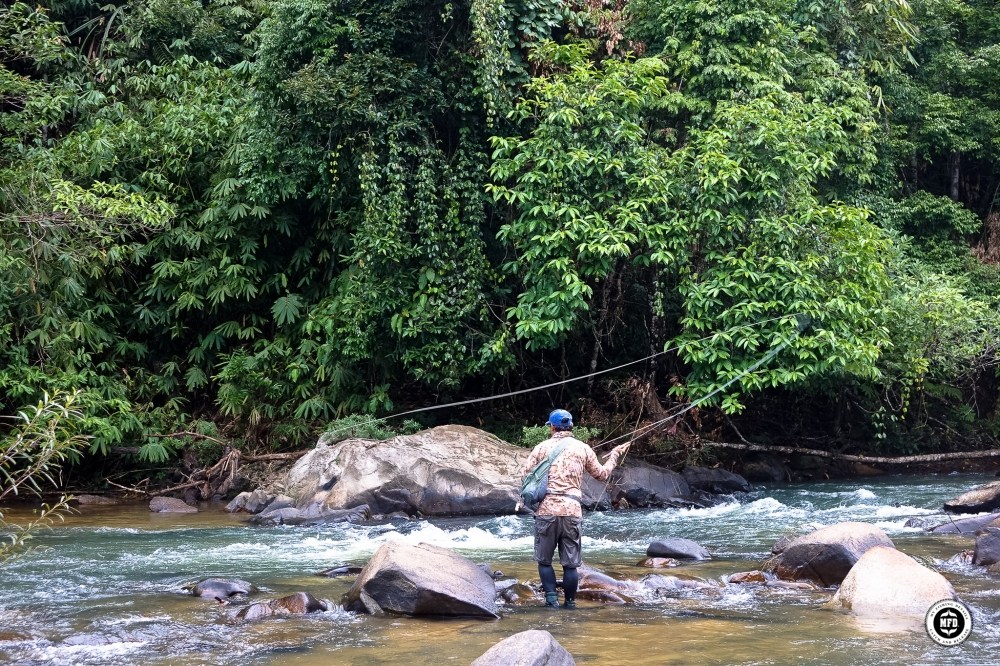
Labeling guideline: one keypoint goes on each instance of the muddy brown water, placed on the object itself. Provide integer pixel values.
(105, 587)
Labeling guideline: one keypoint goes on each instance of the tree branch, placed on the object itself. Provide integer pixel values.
(901, 460)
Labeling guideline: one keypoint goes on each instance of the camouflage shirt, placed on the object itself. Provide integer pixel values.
(566, 473)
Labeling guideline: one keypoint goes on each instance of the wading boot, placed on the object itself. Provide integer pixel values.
(570, 604)
(551, 600)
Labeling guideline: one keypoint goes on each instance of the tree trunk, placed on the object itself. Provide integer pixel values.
(956, 173)
(901, 460)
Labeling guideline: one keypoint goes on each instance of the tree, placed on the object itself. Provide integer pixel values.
(32, 452)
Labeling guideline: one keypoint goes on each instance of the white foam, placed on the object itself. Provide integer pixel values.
(469, 539)
(864, 493)
(74, 654)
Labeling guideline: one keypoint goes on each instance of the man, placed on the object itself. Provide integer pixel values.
(559, 517)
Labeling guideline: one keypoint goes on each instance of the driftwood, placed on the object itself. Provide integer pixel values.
(219, 478)
(900, 460)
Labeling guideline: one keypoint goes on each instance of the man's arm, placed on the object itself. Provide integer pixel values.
(602, 472)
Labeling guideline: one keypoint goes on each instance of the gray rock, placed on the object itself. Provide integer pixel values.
(221, 588)
(251, 502)
(964, 525)
(645, 485)
(767, 469)
(679, 548)
(885, 583)
(277, 503)
(341, 570)
(170, 505)
(422, 580)
(978, 500)
(715, 481)
(298, 603)
(987, 548)
(528, 648)
(827, 555)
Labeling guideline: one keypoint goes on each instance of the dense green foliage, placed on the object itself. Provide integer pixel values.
(273, 215)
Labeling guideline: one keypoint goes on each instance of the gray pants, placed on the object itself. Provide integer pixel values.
(563, 531)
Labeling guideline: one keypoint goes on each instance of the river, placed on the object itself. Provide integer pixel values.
(105, 587)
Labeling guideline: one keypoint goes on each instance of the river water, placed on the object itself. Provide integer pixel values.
(106, 587)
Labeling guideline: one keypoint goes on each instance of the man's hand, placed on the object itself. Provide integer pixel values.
(619, 451)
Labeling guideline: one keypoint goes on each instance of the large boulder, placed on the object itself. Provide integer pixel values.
(643, 485)
(448, 470)
(885, 583)
(978, 500)
(170, 505)
(677, 547)
(422, 580)
(715, 481)
(987, 548)
(826, 555)
(528, 648)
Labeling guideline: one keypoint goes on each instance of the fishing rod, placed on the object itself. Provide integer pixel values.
(638, 432)
(509, 394)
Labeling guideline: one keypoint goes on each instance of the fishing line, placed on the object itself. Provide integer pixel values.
(571, 379)
(638, 431)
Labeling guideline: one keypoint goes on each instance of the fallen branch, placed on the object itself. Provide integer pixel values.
(901, 460)
(292, 455)
(188, 433)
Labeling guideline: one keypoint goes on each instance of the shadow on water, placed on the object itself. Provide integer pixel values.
(106, 588)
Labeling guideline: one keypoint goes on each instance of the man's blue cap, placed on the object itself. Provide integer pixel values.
(560, 418)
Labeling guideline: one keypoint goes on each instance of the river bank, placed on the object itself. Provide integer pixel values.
(106, 588)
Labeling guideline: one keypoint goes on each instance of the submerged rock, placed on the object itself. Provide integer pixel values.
(744, 577)
(528, 648)
(677, 547)
(964, 557)
(826, 555)
(170, 505)
(978, 500)
(422, 580)
(514, 592)
(603, 597)
(220, 588)
(91, 500)
(316, 514)
(658, 563)
(885, 583)
(298, 603)
(341, 570)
